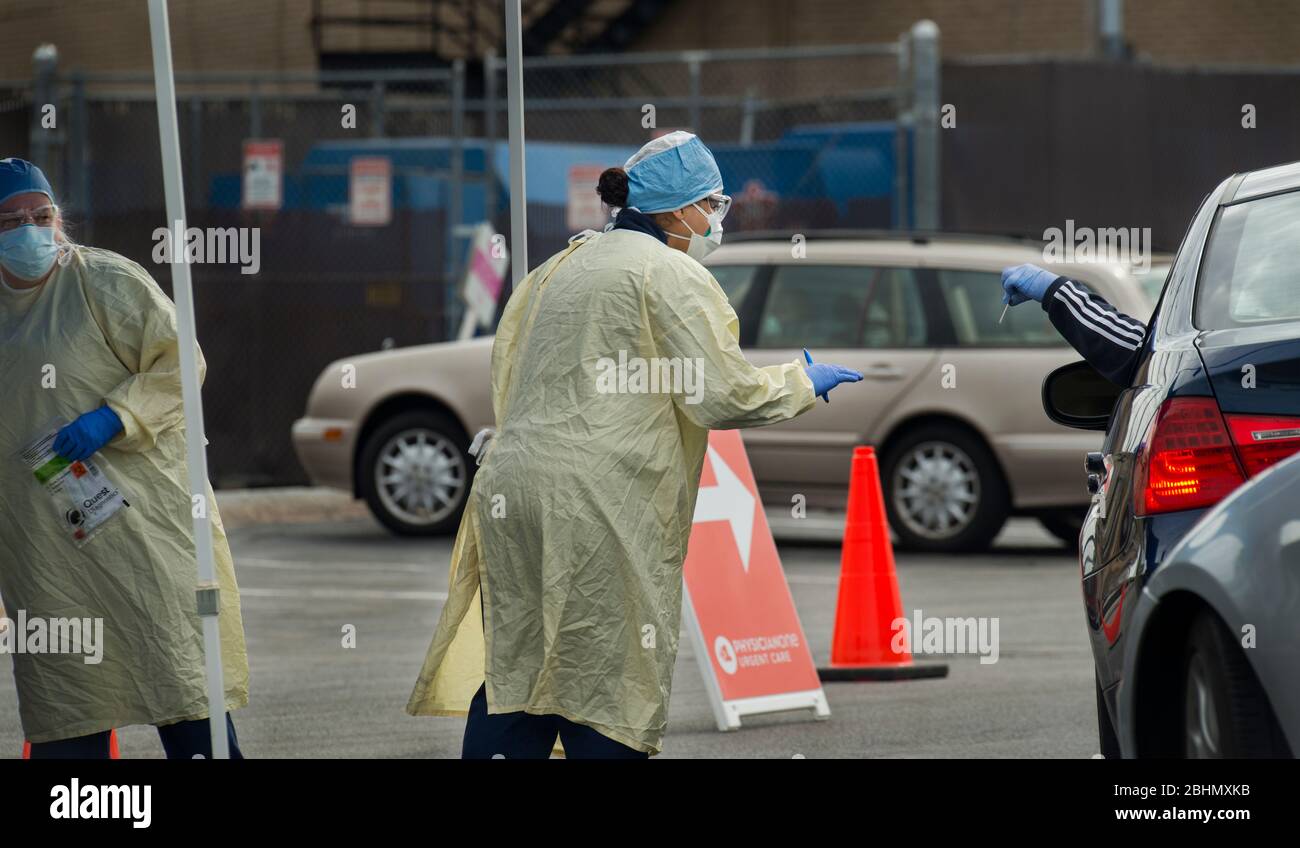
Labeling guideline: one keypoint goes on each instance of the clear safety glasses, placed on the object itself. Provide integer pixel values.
(41, 216)
(720, 203)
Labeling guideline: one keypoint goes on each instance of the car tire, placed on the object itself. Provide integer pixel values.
(1225, 711)
(1064, 524)
(954, 463)
(1107, 740)
(443, 471)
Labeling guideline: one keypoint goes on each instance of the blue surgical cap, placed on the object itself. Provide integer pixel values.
(18, 176)
(673, 171)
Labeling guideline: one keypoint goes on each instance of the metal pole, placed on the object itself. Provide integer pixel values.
(254, 111)
(45, 62)
(515, 110)
(1110, 28)
(693, 66)
(747, 117)
(78, 154)
(377, 109)
(196, 151)
(925, 112)
(207, 592)
(902, 121)
(490, 130)
(455, 211)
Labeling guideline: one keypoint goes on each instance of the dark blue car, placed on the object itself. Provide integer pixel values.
(1214, 402)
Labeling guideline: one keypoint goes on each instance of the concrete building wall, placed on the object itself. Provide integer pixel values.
(210, 35)
(1176, 31)
(113, 35)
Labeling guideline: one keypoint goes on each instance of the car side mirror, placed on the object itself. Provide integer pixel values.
(1077, 396)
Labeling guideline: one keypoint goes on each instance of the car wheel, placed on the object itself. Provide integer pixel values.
(944, 491)
(414, 473)
(1064, 524)
(1107, 740)
(1225, 711)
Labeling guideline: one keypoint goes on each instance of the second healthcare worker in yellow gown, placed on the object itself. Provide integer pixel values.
(88, 338)
(572, 542)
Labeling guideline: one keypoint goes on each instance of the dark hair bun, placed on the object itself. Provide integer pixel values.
(613, 187)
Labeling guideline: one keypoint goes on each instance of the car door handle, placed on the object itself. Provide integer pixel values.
(883, 371)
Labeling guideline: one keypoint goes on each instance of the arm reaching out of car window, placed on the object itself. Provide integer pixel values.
(1110, 340)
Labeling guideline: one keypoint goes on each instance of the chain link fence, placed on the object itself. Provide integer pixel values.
(806, 138)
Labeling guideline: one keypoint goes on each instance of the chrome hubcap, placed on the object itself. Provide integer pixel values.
(936, 490)
(420, 476)
(1201, 721)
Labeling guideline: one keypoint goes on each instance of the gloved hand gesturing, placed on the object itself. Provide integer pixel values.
(826, 377)
(1025, 282)
(90, 432)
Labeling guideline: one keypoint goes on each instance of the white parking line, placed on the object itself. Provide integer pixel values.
(298, 565)
(346, 594)
(411, 568)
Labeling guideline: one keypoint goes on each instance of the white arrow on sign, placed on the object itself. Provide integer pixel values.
(728, 501)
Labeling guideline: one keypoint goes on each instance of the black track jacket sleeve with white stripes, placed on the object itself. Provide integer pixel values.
(1110, 340)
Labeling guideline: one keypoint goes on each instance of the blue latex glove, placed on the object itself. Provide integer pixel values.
(826, 377)
(1025, 282)
(80, 439)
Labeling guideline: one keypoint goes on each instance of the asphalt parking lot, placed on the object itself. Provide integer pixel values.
(311, 697)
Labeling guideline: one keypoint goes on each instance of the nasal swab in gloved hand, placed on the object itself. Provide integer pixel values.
(1005, 307)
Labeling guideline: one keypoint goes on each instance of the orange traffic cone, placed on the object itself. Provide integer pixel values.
(113, 753)
(869, 603)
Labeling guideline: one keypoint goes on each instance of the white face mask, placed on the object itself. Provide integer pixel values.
(702, 245)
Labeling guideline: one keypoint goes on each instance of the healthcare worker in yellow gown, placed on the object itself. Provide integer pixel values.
(88, 338)
(565, 602)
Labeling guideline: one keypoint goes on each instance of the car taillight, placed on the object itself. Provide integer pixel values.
(1188, 460)
(1263, 440)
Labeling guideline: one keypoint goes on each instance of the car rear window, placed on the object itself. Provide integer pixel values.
(737, 281)
(842, 306)
(974, 301)
(1252, 265)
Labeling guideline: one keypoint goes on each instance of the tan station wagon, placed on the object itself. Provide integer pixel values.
(951, 397)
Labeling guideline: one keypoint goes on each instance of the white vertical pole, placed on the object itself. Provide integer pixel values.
(926, 197)
(515, 112)
(206, 593)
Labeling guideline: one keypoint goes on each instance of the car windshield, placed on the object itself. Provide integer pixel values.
(1252, 265)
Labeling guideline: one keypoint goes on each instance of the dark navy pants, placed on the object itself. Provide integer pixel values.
(524, 736)
(181, 741)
